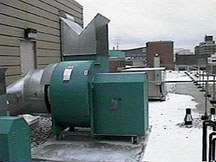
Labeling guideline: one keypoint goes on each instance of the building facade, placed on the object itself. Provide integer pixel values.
(205, 50)
(164, 49)
(196, 50)
(208, 47)
(30, 33)
(183, 51)
(186, 62)
(137, 56)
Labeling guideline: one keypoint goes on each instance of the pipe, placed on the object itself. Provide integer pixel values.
(203, 78)
(206, 103)
(204, 137)
(214, 97)
(213, 149)
(200, 79)
(210, 145)
(207, 85)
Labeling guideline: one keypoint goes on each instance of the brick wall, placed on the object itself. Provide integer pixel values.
(165, 51)
(115, 64)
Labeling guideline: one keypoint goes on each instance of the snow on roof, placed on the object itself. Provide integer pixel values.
(169, 141)
(143, 69)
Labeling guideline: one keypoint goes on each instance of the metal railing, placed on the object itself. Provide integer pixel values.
(208, 140)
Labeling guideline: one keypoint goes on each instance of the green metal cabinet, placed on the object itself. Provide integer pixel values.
(15, 143)
(120, 104)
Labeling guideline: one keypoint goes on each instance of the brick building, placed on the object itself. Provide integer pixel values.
(165, 49)
(117, 60)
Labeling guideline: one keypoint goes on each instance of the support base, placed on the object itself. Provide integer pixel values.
(213, 101)
(204, 117)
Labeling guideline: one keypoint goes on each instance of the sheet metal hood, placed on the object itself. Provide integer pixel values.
(92, 40)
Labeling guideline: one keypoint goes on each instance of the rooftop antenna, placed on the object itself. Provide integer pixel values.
(118, 39)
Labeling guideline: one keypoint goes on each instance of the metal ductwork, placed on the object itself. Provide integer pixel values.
(92, 40)
(30, 93)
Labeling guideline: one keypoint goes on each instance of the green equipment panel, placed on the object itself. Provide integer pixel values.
(15, 143)
(120, 104)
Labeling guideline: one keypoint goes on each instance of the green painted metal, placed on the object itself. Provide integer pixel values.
(70, 101)
(120, 104)
(116, 54)
(101, 61)
(110, 104)
(15, 140)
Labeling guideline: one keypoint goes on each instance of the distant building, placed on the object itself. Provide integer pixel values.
(136, 56)
(135, 53)
(212, 63)
(183, 51)
(186, 62)
(117, 60)
(208, 38)
(30, 33)
(196, 50)
(205, 50)
(164, 49)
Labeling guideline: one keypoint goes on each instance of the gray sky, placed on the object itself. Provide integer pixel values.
(139, 21)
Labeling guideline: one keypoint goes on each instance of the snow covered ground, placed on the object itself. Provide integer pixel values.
(170, 141)
(177, 76)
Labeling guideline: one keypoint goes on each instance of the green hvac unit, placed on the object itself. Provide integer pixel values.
(110, 104)
(14, 140)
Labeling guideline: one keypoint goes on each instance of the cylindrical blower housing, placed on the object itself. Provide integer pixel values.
(70, 95)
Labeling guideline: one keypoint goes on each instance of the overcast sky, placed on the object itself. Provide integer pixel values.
(139, 21)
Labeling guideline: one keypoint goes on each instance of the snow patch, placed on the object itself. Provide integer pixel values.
(168, 142)
(175, 76)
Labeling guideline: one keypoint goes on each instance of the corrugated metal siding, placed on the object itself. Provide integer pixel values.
(43, 15)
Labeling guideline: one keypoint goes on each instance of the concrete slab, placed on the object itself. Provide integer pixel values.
(89, 150)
